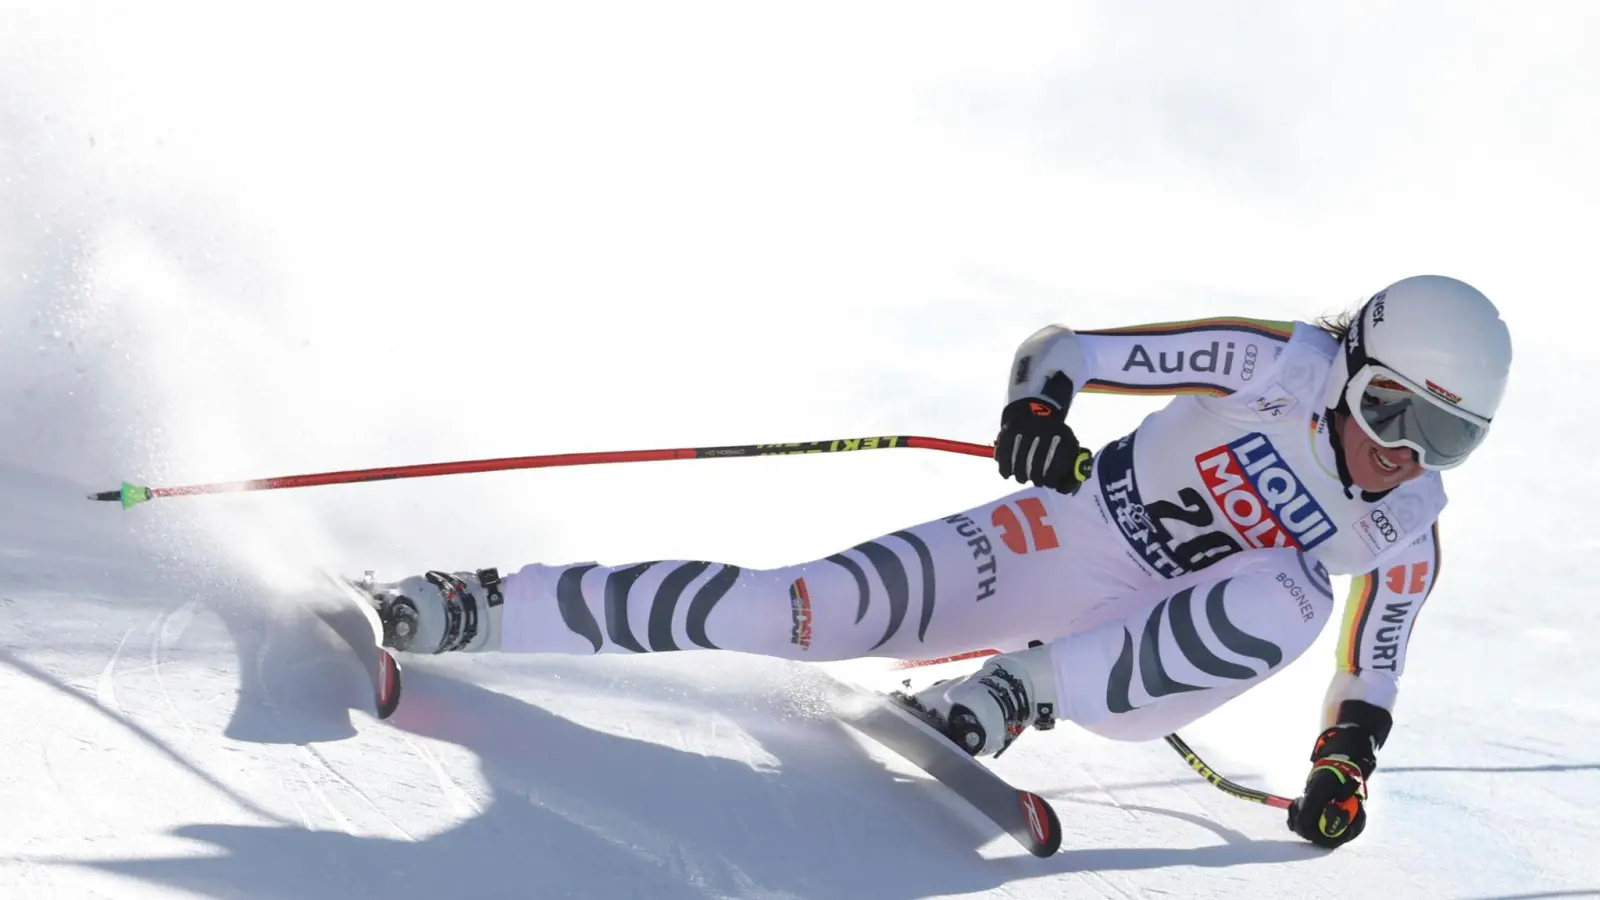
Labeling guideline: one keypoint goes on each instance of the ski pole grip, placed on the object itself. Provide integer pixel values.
(1084, 466)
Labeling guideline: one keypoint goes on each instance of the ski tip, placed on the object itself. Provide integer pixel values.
(388, 684)
(1043, 836)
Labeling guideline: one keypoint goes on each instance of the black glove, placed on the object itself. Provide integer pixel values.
(1332, 809)
(1036, 444)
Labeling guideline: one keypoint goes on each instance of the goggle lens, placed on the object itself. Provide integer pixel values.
(1396, 416)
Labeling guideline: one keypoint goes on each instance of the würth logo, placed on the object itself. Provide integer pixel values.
(1261, 496)
(800, 611)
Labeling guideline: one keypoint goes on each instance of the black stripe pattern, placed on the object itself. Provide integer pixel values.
(617, 592)
(1194, 649)
(705, 600)
(1157, 683)
(618, 584)
(1231, 637)
(1179, 612)
(862, 591)
(574, 611)
(666, 604)
(891, 571)
(925, 559)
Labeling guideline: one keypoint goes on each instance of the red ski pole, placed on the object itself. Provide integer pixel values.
(132, 494)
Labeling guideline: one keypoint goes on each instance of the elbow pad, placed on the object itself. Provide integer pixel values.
(1048, 351)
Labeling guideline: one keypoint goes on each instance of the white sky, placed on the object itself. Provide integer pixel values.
(312, 237)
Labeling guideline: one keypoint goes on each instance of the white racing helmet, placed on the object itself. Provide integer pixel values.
(1426, 362)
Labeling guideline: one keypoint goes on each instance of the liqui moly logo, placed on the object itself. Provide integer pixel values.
(1261, 496)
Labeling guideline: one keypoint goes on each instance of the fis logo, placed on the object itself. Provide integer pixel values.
(1274, 404)
(800, 611)
(1261, 497)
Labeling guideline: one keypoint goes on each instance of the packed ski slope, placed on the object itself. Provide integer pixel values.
(237, 246)
(175, 725)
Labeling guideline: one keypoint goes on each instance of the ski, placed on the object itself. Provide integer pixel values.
(362, 630)
(1027, 817)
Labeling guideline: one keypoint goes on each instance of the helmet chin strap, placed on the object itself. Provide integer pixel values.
(1338, 450)
(1355, 359)
(1338, 456)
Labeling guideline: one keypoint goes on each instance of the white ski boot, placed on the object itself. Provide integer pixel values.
(440, 612)
(984, 712)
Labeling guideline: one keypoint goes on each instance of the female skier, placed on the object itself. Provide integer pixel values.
(1192, 565)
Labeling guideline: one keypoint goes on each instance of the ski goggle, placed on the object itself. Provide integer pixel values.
(1396, 412)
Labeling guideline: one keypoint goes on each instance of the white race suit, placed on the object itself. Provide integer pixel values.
(1193, 564)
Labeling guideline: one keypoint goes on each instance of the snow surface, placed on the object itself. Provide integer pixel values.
(246, 242)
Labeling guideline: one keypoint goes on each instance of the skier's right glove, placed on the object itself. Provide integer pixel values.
(1332, 810)
(1037, 445)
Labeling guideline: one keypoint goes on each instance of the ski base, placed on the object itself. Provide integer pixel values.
(1027, 817)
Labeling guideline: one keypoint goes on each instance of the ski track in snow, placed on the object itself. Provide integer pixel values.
(1096, 878)
(449, 788)
(333, 771)
(160, 637)
(106, 685)
(309, 782)
(289, 792)
(316, 771)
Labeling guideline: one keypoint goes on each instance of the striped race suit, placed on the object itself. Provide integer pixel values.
(1193, 564)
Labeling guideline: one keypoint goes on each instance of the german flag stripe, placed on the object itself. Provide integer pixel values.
(1438, 559)
(1363, 590)
(1267, 328)
(1101, 386)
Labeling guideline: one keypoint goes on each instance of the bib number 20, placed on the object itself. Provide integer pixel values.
(1203, 549)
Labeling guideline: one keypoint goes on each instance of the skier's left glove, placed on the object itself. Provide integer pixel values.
(1332, 811)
